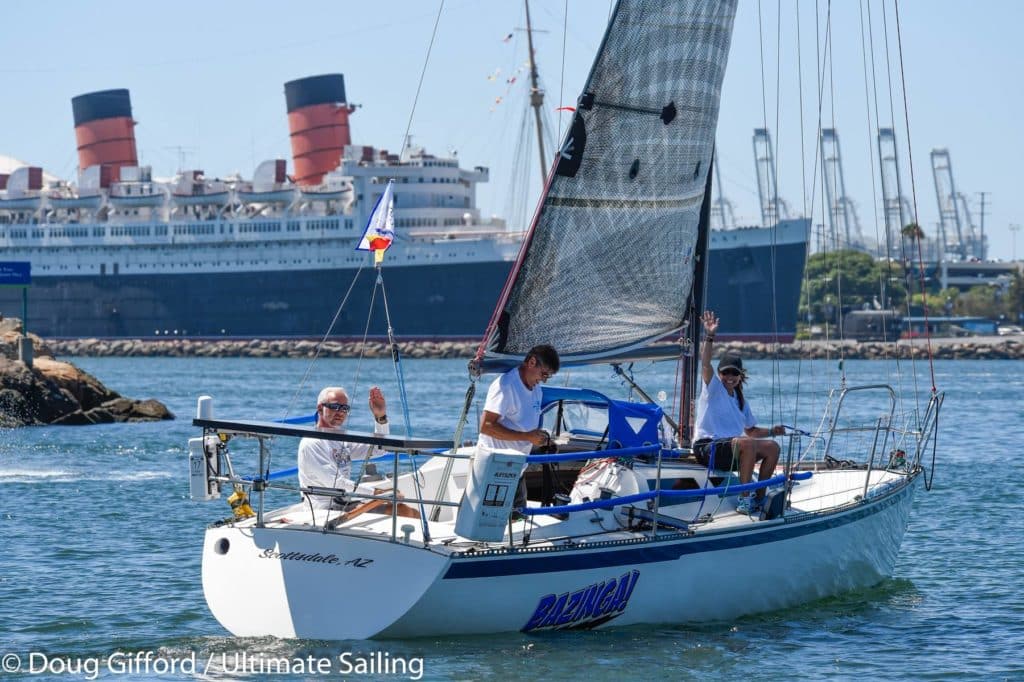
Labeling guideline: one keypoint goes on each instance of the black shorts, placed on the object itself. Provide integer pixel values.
(720, 449)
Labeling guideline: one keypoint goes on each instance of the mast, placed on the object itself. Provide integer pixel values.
(693, 331)
(536, 95)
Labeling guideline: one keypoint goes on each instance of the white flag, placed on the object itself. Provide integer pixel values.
(380, 228)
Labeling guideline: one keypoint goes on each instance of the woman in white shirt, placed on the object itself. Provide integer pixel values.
(726, 429)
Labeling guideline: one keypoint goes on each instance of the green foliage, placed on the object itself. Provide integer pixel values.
(854, 276)
(979, 301)
(912, 232)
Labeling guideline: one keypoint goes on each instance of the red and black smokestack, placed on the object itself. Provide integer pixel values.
(318, 122)
(104, 130)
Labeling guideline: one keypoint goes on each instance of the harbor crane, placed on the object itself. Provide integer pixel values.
(842, 214)
(773, 208)
(956, 226)
(896, 210)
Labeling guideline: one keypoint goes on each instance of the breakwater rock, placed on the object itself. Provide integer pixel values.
(55, 392)
(258, 348)
(994, 347)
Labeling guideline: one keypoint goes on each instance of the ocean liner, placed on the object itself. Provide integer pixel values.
(124, 254)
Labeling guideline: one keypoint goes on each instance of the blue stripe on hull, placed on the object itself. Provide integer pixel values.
(649, 552)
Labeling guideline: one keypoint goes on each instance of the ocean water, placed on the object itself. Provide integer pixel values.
(100, 558)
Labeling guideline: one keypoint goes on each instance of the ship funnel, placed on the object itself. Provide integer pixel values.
(318, 123)
(104, 130)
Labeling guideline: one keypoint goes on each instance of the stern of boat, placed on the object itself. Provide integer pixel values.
(305, 583)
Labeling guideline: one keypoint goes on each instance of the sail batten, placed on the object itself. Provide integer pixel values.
(609, 262)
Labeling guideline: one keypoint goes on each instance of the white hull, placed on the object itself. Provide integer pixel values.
(378, 588)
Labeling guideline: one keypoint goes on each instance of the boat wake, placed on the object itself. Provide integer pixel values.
(48, 476)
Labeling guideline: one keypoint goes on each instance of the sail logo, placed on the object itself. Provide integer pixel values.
(570, 156)
(585, 608)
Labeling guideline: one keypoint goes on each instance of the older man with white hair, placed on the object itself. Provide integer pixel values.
(328, 463)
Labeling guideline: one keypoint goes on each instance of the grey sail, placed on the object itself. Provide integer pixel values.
(608, 264)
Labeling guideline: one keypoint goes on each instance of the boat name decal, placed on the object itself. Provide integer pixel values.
(315, 558)
(584, 608)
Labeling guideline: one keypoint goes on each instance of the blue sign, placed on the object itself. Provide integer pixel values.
(15, 273)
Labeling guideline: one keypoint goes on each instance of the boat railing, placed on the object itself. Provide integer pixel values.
(220, 432)
(873, 439)
(220, 471)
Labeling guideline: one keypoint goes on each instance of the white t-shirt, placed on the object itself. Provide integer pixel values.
(719, 414)
(518, 407)
(328, 463)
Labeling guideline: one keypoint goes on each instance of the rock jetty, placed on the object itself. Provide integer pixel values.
(55, 392)
(993, 347)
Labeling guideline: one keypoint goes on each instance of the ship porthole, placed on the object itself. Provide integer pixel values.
(222, 546)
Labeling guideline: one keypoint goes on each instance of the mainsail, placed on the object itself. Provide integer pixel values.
(608, 264)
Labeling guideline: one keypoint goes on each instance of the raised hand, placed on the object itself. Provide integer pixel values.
(710, 322)
(378, 406)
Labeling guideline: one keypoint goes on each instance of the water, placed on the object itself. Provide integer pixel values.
(100, 560)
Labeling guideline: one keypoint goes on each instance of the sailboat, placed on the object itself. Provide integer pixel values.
(614, 263)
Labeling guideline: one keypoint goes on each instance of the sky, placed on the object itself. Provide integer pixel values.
(206, 82)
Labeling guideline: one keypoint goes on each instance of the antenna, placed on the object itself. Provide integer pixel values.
(181, 152)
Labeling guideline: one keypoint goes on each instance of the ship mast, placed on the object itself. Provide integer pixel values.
(536, 94)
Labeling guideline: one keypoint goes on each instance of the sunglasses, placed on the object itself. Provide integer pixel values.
(545, 373)
(337, 407)
(729, 372)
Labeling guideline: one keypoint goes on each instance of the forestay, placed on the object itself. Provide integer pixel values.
(608, 264)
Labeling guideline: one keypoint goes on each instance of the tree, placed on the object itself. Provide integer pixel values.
(912, 232)
(850, 279)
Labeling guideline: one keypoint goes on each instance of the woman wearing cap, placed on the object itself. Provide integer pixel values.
(726, 428)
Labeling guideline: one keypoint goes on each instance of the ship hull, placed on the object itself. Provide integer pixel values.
(423, 301)
(445, 300)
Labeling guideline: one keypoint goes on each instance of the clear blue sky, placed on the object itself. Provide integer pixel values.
(206, 82)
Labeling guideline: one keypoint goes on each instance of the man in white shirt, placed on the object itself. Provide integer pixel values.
(511, 416)
(512, 410)
(328, 463)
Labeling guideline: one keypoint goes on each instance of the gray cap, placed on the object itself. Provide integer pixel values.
(730, 360)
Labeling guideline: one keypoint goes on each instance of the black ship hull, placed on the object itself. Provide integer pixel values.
(425, 301)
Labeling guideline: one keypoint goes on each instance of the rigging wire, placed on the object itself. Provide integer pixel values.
(867, 47)
(341, 306)
(774, 199)
(320, 344)
(395, 356)
(423, 73)
(561, 77)
(905, 258)
(913, 191)
(886, 273)
(806, 211)
(362, 342)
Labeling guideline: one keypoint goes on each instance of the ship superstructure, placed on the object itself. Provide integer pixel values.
(123, 253)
